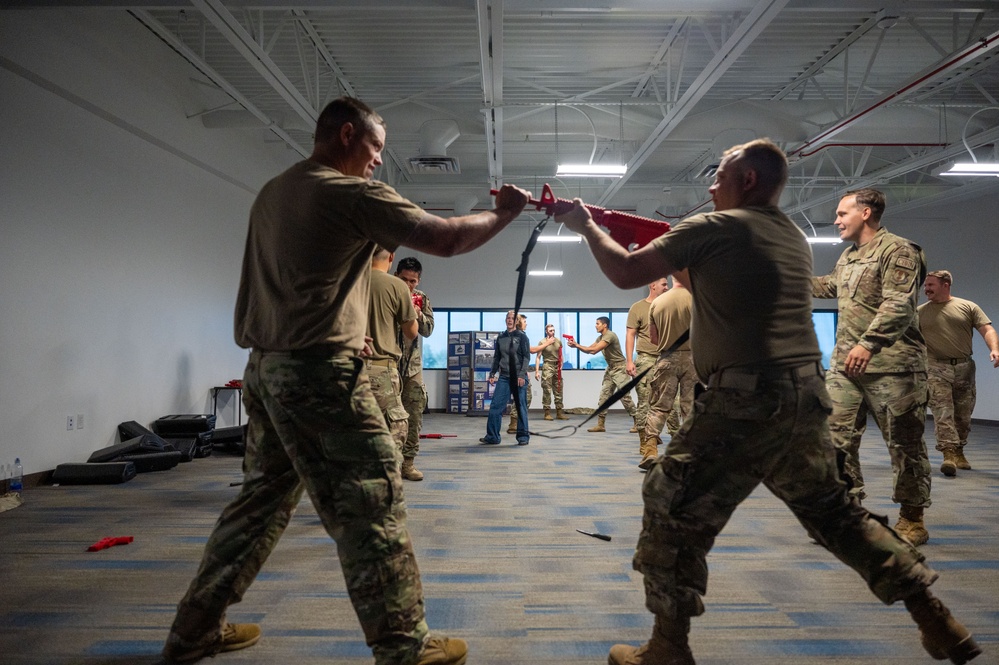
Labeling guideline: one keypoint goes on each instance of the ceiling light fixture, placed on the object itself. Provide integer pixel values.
(544, 273)
(566, 238)
(973, 169)
(591, 170)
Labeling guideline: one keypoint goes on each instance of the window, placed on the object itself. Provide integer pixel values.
(587, 336)
(579, 324)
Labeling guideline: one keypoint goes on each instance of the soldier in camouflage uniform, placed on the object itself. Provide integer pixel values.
(616, 375)
(946, 323)
(879, 364)
(673, 378)
(636, 338)
(391, 317)
(314, 425)
(762, 418)
(548, 368)
(414, 390)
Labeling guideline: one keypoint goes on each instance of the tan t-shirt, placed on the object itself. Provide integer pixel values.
(638, 318)
(670, 313)
(550, 353)
(612, 352)
(391, 306)
(751, 283)
(308, 254)
(947, 327)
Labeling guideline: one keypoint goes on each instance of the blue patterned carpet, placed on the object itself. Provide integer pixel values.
(503, 565)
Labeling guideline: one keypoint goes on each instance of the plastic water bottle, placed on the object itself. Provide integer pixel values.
(15, 478)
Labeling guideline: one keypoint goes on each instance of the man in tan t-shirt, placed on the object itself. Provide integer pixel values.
(673, 378)
(390, 313)
(946, 323)
(314, 425)
(763, 417)
(616, 374)
(636, 339)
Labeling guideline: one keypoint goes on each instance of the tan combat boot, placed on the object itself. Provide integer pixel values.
(910, 526)
(961, 460)
(949, 466)
(512, 427)
(548, 413)
(668, 646)
(234, 636)
(409, 471)
(647, 449)
(942, 635)
(599, 427)
(443, 651)
(560, 414)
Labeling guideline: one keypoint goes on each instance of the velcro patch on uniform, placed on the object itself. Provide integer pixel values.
(905, 263)
(901, 276)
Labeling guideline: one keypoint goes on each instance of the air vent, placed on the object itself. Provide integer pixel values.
(433, 164)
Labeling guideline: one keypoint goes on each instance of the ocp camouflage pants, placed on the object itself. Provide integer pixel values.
(551, 386)
(414, 400)
(387, 388)
(314, 425)
(952, 400)
(775, 433)
(671, 386)
(615, 379)
(643, 389)
(898, 404)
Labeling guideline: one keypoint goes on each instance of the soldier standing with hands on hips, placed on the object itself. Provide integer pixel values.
(946, 322)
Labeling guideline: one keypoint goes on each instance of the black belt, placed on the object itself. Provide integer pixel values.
(747, 378)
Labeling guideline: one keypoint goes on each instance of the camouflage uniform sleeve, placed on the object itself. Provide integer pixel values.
(825, 287)
(902, 268)
(427, 324)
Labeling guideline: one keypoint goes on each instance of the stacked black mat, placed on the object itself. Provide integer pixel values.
(189, 433)
(176, 438)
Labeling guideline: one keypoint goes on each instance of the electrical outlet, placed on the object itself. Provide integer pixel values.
(79, 421)
(70, 423)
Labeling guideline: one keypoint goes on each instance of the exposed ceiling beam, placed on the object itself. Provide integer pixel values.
(320, 47)
(226, 23)
(830, 55)
(755, 23)
(931, 75)
(490, 20)
(875, 178)
(175, 43)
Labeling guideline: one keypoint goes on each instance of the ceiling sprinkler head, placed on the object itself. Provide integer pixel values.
(887, 22)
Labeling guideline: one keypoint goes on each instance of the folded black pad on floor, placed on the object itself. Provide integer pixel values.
(230, 439)
(146, 444)
(154, 461)
(104, 473)
(193, 446)
(131, 429)
(184, 425)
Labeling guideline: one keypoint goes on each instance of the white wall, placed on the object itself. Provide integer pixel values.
(120, 254)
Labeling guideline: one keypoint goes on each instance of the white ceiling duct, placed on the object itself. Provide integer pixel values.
(435, 137)
(648, 208)
(463, 204)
